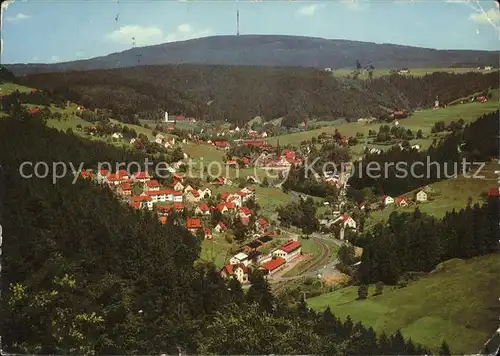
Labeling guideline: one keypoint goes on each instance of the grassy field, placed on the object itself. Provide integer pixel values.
(446, 195)
(7, 88)
(423, 120)
(413, 71)
(216, 252)
(458, 304)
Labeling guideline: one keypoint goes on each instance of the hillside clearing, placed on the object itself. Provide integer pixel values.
(458, 304)
(423, 120)
(417, 72)
(446, 195)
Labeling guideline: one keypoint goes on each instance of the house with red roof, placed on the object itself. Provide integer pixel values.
(141, 176)
(245, 212)
(494, 192)
(125, 189)
(86, 174)
(113, 179)
(235, 199)
(178, 206)
(34, 110)
(220, 227)
(193, 224)
(223, 145)
(232, 163)
(348, 221)
(178, 177)
(178, 187)
(143, 202)
(122, 174)
(163, 208)
(245, 220)
(261, 224)
(222, 208)
(238, 271)
(289, 251)
(402, 201)
(152, 185)
(193, 196)
(253, 143)
(273, 265)
(202, 209)
(224, 196)
(208, 234)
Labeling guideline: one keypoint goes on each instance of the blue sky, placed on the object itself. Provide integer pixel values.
(55, 31)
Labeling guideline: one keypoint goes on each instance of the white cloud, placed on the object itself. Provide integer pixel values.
(492, 15)
(55, 59)
(35, 59)
(143, 36)
(309, 10)
(186, 31)
(19, 17)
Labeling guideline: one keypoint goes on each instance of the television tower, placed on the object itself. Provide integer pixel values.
(237, 21)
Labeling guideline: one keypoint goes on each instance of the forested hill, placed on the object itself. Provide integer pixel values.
(83, 273)
(238, 94)
(275, 50)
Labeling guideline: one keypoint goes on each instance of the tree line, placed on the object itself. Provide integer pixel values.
(417, 242)
(238, 94)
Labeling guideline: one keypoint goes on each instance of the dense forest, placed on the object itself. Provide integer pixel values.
(477, 142)
(237, 94)
(417, 242)
(84, 274)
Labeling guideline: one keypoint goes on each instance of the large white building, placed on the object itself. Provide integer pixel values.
(289, 251)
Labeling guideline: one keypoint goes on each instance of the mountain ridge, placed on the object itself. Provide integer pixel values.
(272, 51)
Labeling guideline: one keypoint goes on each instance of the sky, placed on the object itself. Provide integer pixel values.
(42, 31)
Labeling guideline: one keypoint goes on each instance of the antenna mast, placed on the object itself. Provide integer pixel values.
(237, 21)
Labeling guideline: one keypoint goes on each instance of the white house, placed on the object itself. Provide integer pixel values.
(234, 198)
(220, 227)
(187, 189)
(238, 271)
(348, 221)
(387, 200)
(421, 196)
(205, 193)
(289, 251)
(240, 258)
(152, 185)
(178, 187)
(202, 209)
(159, 139)
(193, 196)
(117, 135)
